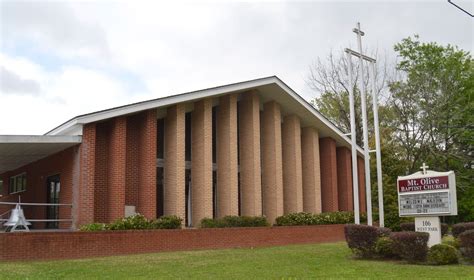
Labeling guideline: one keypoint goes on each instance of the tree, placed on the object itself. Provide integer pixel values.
(434, 107)
(329, 79)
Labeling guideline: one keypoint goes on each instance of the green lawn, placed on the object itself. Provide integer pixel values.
(289, 262)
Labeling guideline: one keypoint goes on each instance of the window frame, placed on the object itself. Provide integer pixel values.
(17, 183)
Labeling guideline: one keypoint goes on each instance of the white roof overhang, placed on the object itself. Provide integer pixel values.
(19, 150)
(270, 88)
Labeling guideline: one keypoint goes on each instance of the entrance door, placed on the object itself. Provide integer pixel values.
(52, 212)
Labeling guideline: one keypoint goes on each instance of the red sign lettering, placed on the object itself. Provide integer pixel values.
(423, 184)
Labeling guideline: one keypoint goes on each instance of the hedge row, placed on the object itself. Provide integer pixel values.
(234, 221)
(137, 221)
(462, 227)
(303, 218)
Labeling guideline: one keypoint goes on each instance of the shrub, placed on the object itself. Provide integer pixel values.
(234, 221)
(137, 221)
(441, 254)
(383, 232)
(304, 219)
(411, 227)
(166, 222)
(383, 247)
(466, 244)
(361, 239)
(93, 227)
(450, 240)
(393, 221)
(410, 246)
(407, 226)
(462, 227)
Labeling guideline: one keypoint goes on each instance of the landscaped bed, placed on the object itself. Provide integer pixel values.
(296, 261)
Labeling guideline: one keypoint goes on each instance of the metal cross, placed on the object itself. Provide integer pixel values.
(424, 167)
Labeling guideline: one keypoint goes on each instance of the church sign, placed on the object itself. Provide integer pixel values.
(430, 194)
(426, 195)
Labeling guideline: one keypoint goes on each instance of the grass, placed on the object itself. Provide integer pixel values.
(332, 260)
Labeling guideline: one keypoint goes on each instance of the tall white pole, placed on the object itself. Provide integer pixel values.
(364, 128)
(355, 179)
(377, 147)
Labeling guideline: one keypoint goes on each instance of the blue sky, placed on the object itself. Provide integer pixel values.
(59, 59)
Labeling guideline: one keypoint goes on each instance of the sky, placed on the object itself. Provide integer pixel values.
(60, 59)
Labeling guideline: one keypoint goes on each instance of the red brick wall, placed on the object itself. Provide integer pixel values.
(327, 154)
(361, 176)
(344, 179)
(61, 163)
(67, 245)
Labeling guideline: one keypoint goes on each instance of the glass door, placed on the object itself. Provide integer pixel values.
(52, 211)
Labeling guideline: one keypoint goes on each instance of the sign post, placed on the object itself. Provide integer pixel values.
(427, 195)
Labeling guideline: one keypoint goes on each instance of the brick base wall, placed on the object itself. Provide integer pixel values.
(69, 245)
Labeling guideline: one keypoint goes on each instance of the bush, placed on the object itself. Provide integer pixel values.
(166, 222)
(411, 227)
(466, 244)
(383, 232)
(407, 226)
(137, 221)
(93, 227)
(234, 221)
(383, 247)
(441, 254)
(304, 219)
(393, 221)
(451, 241)
(361, 239)
(410, 246)
(462, 227)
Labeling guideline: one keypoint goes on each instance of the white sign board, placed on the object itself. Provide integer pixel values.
(429, 194)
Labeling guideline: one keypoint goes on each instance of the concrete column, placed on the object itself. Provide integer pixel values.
(85, 207)
(201, 161)
(344, 179)
(249, 142)
(361, 177)
(327, 153)
(117, 169)
(174, 170)
(147, 165)
(311, 170)
(227, 169)
(272, 177)
(292, 170)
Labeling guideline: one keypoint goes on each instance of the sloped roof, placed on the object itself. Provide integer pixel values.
(268, 88)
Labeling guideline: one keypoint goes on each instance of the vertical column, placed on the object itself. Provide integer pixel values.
(227, 169)
(272, 177)
(344, 179)
(147, 166)
(311, 170)
(292, 173)
(249, 142)
(85, 206)
(201, 161)
(117, 169)
(327, 153)
(174, 171)
(361, 176)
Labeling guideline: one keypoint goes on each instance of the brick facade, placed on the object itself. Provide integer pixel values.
(272, 166)
(174, 185)
(72, 245)
(327, 153)
(311, 170)
(283, 168)
(201, 161)
(227, 165)
(344, 179)
(250, 168)
(292, 170)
